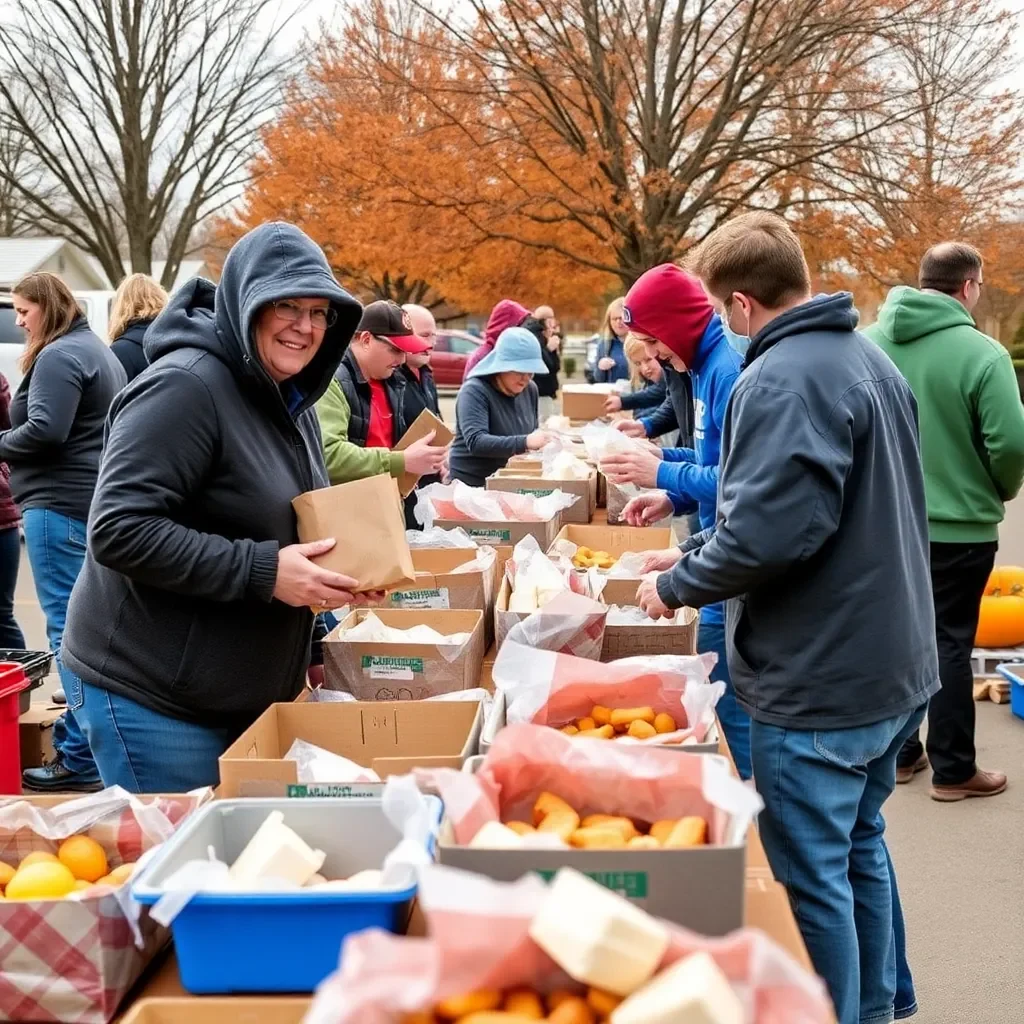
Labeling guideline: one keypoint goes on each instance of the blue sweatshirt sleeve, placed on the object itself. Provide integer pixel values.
(698, 483)
(678, 455)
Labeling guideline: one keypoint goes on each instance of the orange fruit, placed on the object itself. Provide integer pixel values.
(6, 874)
(41, 881)
(38, 858)
(83, 857)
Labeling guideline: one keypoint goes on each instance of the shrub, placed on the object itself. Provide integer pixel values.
(569, 366)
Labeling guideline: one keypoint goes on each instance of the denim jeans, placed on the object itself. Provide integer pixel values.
(824, 835)
(11, 636)
(56, 550)
(146, 752)
(735, 721)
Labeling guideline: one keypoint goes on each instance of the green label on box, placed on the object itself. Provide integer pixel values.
(380, 667)
(436, 598)
(335, 790)
(542, 492)
(631, 884)
(485, 533)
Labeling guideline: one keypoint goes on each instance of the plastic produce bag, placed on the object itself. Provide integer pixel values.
(458, 501)
(559, 463)
(546, 688)
(479, 939)
(109, 938)
(318, 765)
(438, 537)
(372, 631)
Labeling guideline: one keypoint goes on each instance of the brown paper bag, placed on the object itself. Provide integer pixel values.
(366, 519)
(421, 426)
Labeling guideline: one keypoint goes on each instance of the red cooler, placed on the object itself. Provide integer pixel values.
(12, 681)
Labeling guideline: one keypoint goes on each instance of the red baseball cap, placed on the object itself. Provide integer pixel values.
(386, 319)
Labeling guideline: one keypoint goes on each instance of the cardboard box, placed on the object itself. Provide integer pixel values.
(518, 481)
(186, 1010)
(702, 888)
(421, 426)
(635, 641)
(391, 737)
(617, 540)
(437, 587)
(35, 732)
(504, 620)
(371, 671)
(584, 402)
(505, 532)
(767, 907)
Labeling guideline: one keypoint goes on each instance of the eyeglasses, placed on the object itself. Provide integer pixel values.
(319, 318)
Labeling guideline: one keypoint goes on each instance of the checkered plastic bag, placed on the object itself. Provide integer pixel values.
(75, 960)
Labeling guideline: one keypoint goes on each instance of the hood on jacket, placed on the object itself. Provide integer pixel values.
(670, 305)
(822, 313)
(506, 313)
(135, 331)
(274, 261)
(908, 314)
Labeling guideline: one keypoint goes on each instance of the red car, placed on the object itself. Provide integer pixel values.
(452, 350)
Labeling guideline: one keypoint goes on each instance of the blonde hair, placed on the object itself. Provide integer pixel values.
(636, 350)
(606, 324)
(138, 297)
(757, 254)
(59, 306)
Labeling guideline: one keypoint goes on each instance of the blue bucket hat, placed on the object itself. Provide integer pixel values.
(516, 351)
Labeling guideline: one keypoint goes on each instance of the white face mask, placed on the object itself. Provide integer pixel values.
(740, 342)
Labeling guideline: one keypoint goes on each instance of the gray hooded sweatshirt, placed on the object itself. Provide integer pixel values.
(204, 454)
(821, 540)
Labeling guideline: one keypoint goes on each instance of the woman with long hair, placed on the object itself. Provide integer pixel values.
(612, 364)
(137, 303)
(53, 450)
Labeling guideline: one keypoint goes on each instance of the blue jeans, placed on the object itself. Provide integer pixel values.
(735, 721)
(56, 550)
(824, 835)
(11, 636)
(146, 752)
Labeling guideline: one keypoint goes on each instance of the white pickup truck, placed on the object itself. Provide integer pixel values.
(12, 338)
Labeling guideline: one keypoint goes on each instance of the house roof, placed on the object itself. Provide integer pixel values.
(20, 256)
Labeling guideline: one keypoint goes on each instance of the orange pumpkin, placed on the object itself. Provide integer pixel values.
(1001, 623)
(1006, 579)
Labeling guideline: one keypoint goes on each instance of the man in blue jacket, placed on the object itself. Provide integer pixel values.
(820, 547)
(669, 310)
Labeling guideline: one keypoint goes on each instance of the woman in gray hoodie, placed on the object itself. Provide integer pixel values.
(192, 613)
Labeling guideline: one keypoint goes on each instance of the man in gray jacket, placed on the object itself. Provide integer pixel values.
(821, 547)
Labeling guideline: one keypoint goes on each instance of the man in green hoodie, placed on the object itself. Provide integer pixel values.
(972, 447)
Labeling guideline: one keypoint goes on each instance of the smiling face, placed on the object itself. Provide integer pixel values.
(376, 356)
(28, 316)
(288, 334)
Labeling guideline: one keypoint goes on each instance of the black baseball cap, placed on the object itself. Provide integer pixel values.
(386, 319)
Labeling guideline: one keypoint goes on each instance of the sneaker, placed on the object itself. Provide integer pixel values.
(58, 697)
(980, 784)
(56, 777)
(904, 773)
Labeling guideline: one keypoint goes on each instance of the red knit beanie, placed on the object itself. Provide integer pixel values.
(669, 305)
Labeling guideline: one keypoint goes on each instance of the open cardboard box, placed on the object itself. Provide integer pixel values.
(617, 541)
(35, 734)
(530, 481)
(247, 1010)
(391, 737)
(408, 671)
(710, 899)
(504, 620)
(502, 531)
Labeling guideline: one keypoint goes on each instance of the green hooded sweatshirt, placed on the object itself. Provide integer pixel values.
(972, 421)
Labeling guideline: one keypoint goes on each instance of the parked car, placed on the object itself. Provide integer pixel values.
(12, 342)
(452, 350)
(590, 367)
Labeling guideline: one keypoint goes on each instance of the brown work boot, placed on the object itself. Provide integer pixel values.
(907, 772)
(980, 784)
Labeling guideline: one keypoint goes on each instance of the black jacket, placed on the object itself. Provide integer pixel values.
(547, 383)
(676, 411)
(821, 539)
(420, 394)
(128, 348)
(650, 396)
(204, 454)
(57, 416)
(357, 393)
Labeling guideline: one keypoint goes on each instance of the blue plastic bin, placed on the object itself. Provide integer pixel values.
(230, 943)
(1014, 672)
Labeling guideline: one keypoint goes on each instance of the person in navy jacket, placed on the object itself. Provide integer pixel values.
(668, 309)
